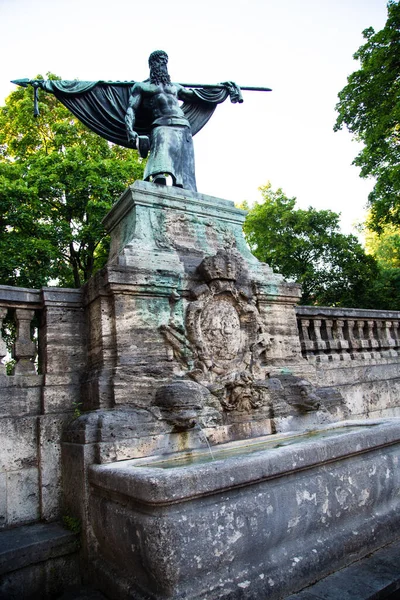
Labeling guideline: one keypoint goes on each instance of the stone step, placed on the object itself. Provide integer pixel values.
(376, 577)
(37, 561)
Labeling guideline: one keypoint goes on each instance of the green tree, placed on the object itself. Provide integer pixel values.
(369, 106)
(307, 246)
(385, 248)
(57, 181)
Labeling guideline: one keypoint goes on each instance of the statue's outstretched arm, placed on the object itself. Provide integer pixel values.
(185, 93)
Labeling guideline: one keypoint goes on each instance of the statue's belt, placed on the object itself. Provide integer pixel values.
(174, 121)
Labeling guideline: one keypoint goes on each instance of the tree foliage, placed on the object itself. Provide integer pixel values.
(369, 106)
(307, 246)
(57, 181)
(385, 248)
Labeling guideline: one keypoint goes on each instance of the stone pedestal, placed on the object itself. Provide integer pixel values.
(153, 310)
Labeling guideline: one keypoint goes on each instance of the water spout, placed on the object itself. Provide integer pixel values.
(198, 426)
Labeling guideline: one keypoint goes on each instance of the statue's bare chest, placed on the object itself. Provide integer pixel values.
(162, 100)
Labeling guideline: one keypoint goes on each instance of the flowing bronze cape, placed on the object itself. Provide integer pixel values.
(102, 106)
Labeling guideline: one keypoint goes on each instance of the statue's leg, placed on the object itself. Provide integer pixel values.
(172, 154)
(187, 161)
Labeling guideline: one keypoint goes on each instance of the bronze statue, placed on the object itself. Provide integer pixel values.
(171, 145)
(146, 115)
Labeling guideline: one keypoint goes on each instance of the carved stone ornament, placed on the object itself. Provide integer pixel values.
(174, 230)
(223, 343)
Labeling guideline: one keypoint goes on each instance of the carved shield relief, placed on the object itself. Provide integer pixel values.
(223, 325)
(220, 329)
(223, 343)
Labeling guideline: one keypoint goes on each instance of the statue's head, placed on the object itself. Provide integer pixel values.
(158, 61)
(158, 56)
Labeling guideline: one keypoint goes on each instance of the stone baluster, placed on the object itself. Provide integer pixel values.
(350, 331)
(396, 336)
(304, 325)
(24, 346)
(342, 344)
(317, 330)
(362, 343)
(3, 347)
(353, 342)
(380, 336)
(319, 344)
(372, 340)
(359, 327)
(307, 346)
(338, 329)
(331, 342)
(328, 327)
(388, 339)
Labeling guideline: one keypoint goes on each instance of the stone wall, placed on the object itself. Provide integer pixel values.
(38, 399)
(58, 370)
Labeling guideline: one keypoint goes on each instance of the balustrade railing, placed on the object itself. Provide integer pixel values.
(19, 318)
(343, 334)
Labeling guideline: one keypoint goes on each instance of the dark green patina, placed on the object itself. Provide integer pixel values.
(146, 115)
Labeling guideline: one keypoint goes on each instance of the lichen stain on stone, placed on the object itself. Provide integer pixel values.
(305, 496)
(341, 495)
(240, 521)
(325, 507)
(293, 522)
(244, 584)
(183, 440)
(364, 497)
(253, 524)
(234, 538)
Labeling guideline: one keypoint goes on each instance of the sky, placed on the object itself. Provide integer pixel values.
(302, 49)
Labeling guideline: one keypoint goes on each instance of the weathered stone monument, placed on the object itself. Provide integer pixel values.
(220, 453)
(194, 361)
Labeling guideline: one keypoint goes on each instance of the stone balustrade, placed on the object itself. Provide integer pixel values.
(46, 330)
(20, 311)
(37, 397)
(345, 334)
(326, 334)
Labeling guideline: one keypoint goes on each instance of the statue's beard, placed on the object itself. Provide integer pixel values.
(159, 74)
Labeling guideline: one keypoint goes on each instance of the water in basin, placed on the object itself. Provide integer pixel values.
(245, 447)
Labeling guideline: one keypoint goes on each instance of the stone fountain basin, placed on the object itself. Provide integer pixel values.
(266, 518)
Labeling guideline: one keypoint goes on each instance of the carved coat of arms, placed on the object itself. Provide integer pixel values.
(223, 343)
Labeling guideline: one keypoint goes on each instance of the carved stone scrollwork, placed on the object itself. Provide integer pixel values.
(240, 392)
(223, 341)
